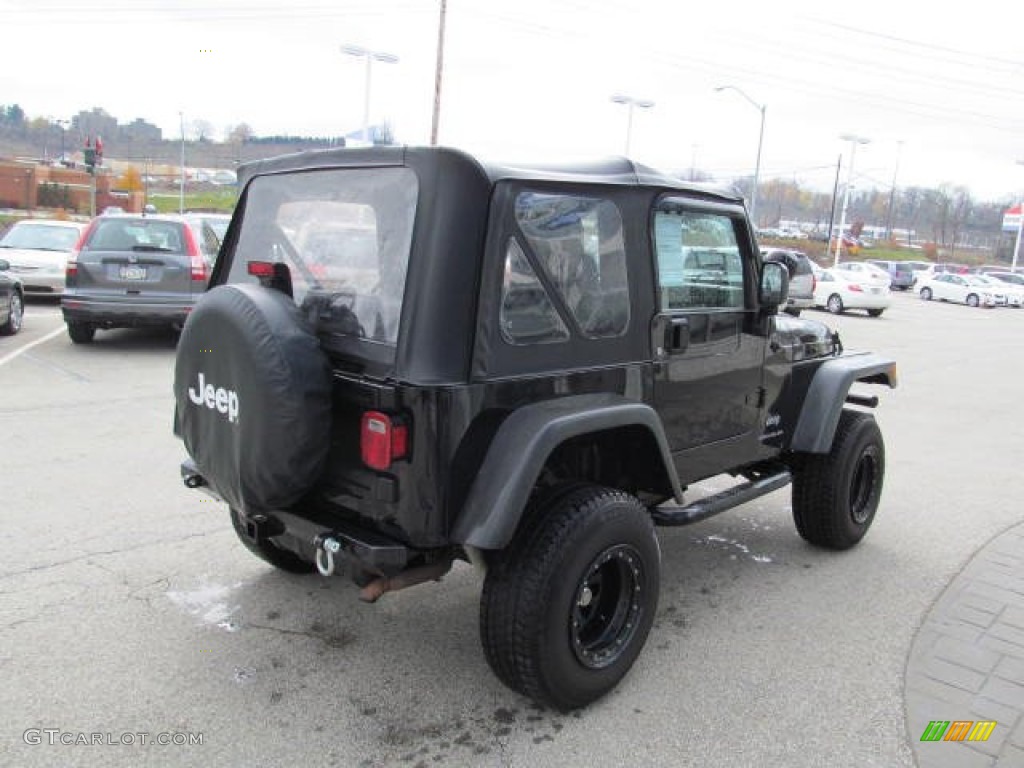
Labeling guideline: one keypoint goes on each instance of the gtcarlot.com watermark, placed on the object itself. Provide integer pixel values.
(55, 737)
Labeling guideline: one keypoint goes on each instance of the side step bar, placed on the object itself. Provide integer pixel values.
(721, 502)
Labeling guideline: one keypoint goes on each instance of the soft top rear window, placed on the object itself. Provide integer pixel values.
(345, 236)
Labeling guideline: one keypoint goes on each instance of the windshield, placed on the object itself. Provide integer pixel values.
(41, 237)
(345, 236)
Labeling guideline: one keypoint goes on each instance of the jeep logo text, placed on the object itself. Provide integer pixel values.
(219, 399)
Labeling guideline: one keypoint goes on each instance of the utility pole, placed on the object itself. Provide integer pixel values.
(438, 74)
(892, 192)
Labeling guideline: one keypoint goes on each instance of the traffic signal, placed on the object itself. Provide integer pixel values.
(99, 151)
(90, 155)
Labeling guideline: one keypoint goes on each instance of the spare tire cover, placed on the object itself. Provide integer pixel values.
(252, 392)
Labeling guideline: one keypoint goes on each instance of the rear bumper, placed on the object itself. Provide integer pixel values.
(40, 283)
(305, 533)
(124, 313)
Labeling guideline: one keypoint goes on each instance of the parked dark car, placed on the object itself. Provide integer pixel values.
(136, 270)
(801, 277)
(410, 357)
(12, 301)
(901, 273)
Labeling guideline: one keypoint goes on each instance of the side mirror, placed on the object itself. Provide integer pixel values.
(4, 265)
(774, 285)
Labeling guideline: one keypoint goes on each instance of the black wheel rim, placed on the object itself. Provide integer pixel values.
(862, 488)
(606, 607)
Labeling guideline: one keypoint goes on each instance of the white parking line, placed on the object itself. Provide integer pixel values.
(16, 353)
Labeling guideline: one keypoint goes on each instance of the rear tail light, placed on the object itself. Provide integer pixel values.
(196, 260)
(71, 270)
(382, 440)
(856, 288)
(261, 269)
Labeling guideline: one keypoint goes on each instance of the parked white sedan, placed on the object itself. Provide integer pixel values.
(38, 251)
(865, 273)
(963, 289)
(1014, 293)
(839, 290)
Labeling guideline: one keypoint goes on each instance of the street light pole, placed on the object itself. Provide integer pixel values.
(181, 186)
(365, 53)
(1020, 229)
(854, 141)
(630, 103)
(760, 143)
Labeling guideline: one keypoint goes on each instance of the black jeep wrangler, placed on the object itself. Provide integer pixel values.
(408, 357)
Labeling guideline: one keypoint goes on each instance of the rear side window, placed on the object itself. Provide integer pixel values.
(578, 244)
(345, 236)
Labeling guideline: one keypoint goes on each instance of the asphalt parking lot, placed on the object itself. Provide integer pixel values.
(129, 608)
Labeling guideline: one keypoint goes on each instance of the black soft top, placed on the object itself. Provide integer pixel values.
(439, 336)
(618, 171)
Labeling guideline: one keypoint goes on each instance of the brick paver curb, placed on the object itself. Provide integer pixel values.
(967, 661)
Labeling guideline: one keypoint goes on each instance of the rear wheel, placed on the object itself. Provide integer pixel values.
(792, 311)
(835, 304)
(81, 333)
(567, 607)
(15, 317)
(835, 495)
(265, 550)
(875, 312)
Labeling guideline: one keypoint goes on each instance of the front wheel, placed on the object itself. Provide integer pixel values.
(926, 294)
(972, 300)
(835, 304)
(16, 313)
(835, 495)
(567, 607)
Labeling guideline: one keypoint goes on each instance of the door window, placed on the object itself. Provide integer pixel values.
(699, 261)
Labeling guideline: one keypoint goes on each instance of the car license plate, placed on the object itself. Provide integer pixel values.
(133, 273)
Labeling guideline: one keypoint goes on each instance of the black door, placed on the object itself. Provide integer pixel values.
(708, 344)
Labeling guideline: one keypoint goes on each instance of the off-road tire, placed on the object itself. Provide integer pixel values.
(567, 606)
(279, 558)
(81, 333)
(836, 495)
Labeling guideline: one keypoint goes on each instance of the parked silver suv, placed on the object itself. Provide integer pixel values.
(801, 277)
(135, 270)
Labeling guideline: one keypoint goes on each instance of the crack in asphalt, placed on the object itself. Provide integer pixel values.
(105, 553)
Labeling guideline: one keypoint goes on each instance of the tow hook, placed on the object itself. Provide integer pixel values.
(326, 548)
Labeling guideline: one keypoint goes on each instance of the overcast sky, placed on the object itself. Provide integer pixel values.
(938, 87)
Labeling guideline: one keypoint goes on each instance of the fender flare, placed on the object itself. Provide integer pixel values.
(525, 440)
(819, 415)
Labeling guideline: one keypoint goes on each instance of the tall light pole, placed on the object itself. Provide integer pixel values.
(854, 141)
(181, 186)
(365, 53)
(630, 103)
(760, 143)
(435, 119)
